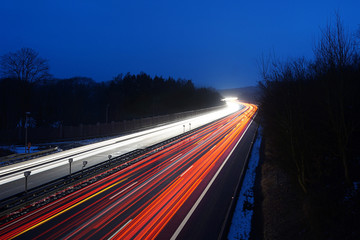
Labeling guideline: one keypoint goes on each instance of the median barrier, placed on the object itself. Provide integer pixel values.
(19, 157)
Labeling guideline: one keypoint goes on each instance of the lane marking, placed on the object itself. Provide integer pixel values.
(67, 209)
(176, 157)
(187, 217)
(52, 203)
(119, 229)
(123, 190)
(118, 202)
(186, 171)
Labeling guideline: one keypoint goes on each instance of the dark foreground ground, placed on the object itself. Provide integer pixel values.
(278, 207)
(282, 211)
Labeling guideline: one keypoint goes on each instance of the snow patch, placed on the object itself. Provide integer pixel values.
(241, 221)
(20, 149)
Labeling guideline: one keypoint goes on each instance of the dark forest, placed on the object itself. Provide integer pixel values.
(81, 100)
(311, 125)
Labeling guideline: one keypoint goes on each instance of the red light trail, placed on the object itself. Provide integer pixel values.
(139, 201)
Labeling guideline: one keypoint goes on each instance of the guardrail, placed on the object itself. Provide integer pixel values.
(19, 157)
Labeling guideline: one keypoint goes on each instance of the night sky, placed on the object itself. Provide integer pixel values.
(214, 43)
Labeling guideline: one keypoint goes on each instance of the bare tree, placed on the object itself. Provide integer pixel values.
(24, 65)
(336, 47)
(336, 51)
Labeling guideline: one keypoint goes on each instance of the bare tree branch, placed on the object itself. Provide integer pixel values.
(24, 65)
(336, 47)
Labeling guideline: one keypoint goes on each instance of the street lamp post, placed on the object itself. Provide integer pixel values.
(26, 174)
(82, 169)
(109, 156)
(189, 126)
(70, 162)
(184, 127)
(25, 125)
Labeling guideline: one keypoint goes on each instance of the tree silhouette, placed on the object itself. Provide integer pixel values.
(24, 68)
(24, 65)
(311, 108)
(311, 126)
(336, 51)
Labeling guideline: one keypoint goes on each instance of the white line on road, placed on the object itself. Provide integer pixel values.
(175, 157)
(186, 171)
(123, 190)
(187, 217)
(119, 229)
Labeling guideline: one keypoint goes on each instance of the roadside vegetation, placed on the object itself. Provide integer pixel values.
(311, 120)
(27, 86)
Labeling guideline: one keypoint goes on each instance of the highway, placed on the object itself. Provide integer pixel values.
(48, 168)
(180, 192)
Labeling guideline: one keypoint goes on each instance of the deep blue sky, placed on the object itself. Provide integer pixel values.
(214, 43)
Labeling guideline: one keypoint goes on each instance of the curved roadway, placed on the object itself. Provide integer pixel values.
(181, 192)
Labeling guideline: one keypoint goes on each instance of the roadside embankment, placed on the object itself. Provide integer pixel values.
(281, 205)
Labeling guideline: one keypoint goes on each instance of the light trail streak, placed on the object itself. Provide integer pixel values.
(15, 171)
(123, 190)
(186, 171)
(119, 229)
(65, 210)
(140, 200)
(181, 226)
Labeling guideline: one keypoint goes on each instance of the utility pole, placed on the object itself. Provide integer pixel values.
(70, 162)
(109, 159)
(82, 169)
(26, 174)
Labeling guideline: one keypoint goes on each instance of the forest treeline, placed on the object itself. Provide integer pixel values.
(311, 118)
(81, 100)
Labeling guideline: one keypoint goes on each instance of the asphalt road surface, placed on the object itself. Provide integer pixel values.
(182, 191)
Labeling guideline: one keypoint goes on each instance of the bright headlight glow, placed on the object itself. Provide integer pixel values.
(232, 103)
(227, 99)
